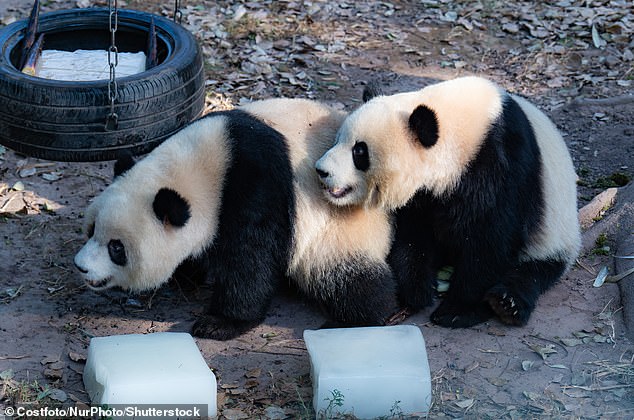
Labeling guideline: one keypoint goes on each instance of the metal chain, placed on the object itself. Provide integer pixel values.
(178, 15)
(112, 119)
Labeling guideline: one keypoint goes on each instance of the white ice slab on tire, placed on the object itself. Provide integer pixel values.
(87, 65)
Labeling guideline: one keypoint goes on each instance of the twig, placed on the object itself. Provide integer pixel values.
(552, 342)
(24, 356)
(598, 388)
(616, 100)
(97, 176)
(618, 277)
(277, 353)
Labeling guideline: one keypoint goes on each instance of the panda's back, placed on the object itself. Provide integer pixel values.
(257, 189)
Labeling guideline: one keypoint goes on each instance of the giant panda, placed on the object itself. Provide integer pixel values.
(479, 179)
(234, 197)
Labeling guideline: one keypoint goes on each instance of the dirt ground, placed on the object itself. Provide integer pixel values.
(572, 360)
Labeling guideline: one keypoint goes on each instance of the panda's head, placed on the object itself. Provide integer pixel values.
(154, 215)
(393, 146)
(128, 246)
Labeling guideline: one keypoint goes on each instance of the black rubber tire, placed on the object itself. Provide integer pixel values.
(65, 121)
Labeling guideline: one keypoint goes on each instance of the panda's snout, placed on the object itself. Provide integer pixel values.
(322, 174)
(80, 268)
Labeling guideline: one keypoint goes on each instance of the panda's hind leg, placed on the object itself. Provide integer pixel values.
(515, 298)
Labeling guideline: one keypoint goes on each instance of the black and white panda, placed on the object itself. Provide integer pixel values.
(480, 180)
(235, 196)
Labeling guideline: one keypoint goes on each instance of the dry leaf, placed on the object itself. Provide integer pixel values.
(76, 357)
(596, 38)
(497, 381)
(464, 404)
(254, 373)
(543, 351)
(50, 359)
(571, 342)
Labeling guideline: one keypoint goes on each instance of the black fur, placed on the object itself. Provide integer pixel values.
(125, 161)
(371, 90)
(479, 229)
(360, 156)
(170, 208)
(424, 124)
(247, 260)
(357, 292)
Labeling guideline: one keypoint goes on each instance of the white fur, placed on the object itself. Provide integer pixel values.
(324, 234)
(188, 162)
(560, 231)
(399, 164)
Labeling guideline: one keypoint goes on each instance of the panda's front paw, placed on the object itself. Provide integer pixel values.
(512, 309)
(460, 315)
(220, 328)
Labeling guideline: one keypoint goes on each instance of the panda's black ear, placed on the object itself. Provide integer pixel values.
(371, 90)
(424, 125)
(170, 208)
(125, 161)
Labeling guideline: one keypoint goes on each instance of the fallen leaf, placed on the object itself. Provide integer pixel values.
(50, 359)
(571, 342)
(57, 395)
(76, 357)
(274, 413)
(53, 373)
(557, 366)
(543, 351)
(533, 396)
(234, 414)
(6, 375)
(27, 172)
(498, 381)
(596, 38)
(464, 404)
(471, 367)
(18, 186)
(57, 365)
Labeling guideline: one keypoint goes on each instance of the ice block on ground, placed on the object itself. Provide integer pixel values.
(369, 372)
(154, 369)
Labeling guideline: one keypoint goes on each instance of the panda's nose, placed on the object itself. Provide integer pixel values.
(80, 268)
(321, 173)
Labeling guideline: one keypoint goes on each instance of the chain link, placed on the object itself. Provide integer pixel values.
(178, 15)
(113, 61)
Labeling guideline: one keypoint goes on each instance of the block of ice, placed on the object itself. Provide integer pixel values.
(369, 372)
(137, 369)
(86, 65)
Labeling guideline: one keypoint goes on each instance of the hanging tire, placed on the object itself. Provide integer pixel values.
(66, 121)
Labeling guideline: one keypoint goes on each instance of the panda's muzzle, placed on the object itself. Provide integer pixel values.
(335, 192)
(80, 268)
(98, 284)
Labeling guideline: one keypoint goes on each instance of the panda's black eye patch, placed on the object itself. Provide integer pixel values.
(360, 156)
(116, 250)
